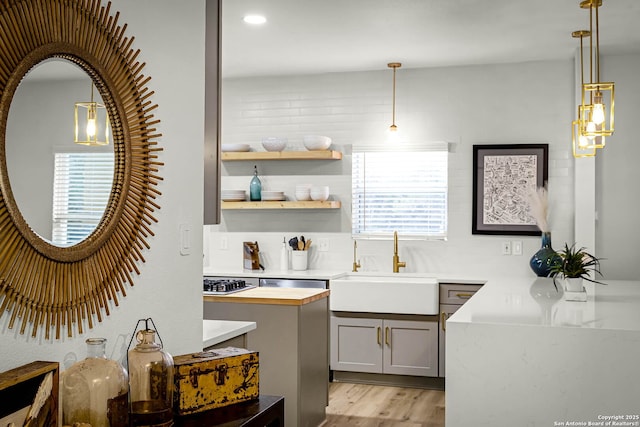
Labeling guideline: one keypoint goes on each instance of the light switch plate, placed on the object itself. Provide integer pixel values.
(506, 247)
(185, 239)
(516, 247)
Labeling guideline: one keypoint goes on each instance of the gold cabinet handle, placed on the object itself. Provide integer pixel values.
(379, 330)
(464, 295)
(386, 336)
(443, 319)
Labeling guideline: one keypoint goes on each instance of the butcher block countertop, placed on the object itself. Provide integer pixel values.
(273, 296)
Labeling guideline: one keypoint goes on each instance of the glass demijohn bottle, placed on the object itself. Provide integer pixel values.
(255, 187)
(150, 381)
(92, 388)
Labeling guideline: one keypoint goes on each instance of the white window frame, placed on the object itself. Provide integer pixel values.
(81, 190)
(414, 179)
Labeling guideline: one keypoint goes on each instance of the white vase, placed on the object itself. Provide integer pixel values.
(573, 284)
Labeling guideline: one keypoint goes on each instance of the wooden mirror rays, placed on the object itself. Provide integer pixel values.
(53, 288)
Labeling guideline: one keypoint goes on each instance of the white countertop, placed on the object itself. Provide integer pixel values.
(276, 274)
(217, 331)
(534, 301)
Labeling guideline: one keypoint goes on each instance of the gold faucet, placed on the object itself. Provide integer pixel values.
(396, 259)
(356, 264)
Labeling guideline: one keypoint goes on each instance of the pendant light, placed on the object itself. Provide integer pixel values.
(91, 123)
(594, 124)
(582, 145)
(393, 128)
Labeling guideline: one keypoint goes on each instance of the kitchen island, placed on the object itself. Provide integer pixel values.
(292, 340)
(519, 354)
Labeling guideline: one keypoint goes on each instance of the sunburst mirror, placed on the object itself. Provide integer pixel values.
(44, 285)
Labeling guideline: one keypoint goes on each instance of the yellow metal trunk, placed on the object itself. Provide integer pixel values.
(214, 379)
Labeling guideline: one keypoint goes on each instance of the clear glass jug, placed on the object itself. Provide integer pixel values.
(94, 390)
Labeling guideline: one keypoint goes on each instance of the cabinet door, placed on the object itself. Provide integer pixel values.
(356, 344)
(411, 348)
(446, 310)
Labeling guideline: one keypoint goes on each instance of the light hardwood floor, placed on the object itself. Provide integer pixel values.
(381, 406)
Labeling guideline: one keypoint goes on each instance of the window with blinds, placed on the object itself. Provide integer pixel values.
(81, 190)
(404, 191)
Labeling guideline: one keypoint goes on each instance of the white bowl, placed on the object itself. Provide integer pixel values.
(235, 147)
(316, 142)
(303, 195)
(274, 143)
(320, 193)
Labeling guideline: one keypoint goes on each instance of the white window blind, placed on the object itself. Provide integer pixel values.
(404, 191)
(81, 190)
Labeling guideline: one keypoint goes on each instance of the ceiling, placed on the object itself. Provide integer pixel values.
(318, 36)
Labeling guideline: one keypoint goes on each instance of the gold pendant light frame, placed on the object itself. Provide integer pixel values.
(595, 121)
(395, 66)
(43, 286)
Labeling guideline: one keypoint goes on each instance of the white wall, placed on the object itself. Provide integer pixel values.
(512, 103)
(618, 175)
(170, 36)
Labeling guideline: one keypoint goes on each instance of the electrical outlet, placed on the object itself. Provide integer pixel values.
(506, 248)
(323, 245)
(516, 247)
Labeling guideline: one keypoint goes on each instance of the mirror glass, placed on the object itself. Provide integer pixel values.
(61, 188)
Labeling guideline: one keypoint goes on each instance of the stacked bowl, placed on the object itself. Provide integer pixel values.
(233, 195)
(272, 195)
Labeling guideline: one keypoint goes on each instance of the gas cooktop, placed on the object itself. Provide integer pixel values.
(215, 286)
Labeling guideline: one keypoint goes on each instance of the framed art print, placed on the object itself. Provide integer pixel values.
(504, 177)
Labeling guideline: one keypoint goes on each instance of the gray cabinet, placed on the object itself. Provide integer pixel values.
(387, 346)
(452, 297)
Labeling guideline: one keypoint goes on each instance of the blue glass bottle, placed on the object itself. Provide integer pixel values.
(542, 261)
(255, 187)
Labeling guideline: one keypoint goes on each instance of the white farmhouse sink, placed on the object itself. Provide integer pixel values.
(400, 293)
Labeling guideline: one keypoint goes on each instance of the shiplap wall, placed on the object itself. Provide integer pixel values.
(509, 103)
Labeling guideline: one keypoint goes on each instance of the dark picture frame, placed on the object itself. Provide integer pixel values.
(503, 178)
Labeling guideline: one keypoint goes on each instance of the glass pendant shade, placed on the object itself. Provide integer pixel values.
(150, 381)
(91, 123)
(94, 390)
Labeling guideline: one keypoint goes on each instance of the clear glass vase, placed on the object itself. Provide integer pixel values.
(150, 382)
(94, 390)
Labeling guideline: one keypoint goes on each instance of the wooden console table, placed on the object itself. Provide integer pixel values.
(265, 411)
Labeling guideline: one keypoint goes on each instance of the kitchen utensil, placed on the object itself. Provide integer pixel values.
(307, 244)
(300, 245)
(302, 239)
(251, 256)
(293, 242)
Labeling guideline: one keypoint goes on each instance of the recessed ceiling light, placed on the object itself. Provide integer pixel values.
(254, 19)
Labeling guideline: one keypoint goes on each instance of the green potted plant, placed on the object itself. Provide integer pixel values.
(575, 266)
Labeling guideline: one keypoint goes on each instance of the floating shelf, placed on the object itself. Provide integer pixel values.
(229, 156)
(329, 204)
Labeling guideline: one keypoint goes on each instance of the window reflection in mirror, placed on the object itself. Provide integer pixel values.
(61, 188)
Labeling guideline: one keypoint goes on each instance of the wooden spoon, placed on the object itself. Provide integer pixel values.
(300, 245)
(307, 244)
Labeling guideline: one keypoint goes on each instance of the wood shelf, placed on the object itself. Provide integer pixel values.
(329, 204)
(229, 156)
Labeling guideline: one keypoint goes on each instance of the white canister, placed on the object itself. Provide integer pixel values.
(299, 260)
